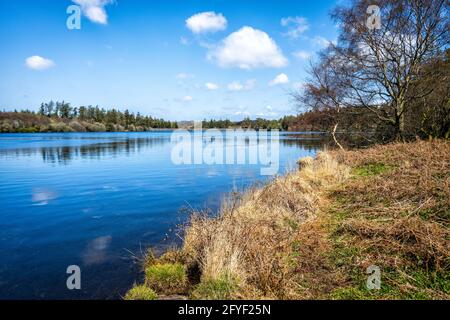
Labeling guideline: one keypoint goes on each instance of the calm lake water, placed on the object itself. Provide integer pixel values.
(89, 199)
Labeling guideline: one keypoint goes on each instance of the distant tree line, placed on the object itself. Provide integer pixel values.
(247, 123)
(63, 110)
(62, 117)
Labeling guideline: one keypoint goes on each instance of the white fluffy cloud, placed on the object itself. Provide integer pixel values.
(187, 99)
(94, 10)
(211, 86)
(248, 48)
(237, 86)
(39, 63)
(206, 22)
(279, 79)
(303, 55)
(296, 26)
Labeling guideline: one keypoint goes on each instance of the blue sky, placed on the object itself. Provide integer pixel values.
(181, 60)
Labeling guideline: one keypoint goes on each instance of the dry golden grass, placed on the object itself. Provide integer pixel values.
(313, 233)
(255, 238)
(395, 213)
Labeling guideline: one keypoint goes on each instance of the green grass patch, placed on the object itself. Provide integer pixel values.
(167, 278)
(351, 293)
(141, 292)
(370, 170)
(344, 255)
(431, 280)
(408, 285)
(293, 257)
(362, 293)
(293, 224)
(215, 289)
(358, 290)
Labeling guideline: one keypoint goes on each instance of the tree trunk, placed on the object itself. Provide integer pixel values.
(402, 126)
(334, 136)
(397, 134)
(399, 120)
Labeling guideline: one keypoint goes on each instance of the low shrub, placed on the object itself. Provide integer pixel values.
(141, 292)
(60, 127)
(167, 278)
(221, 288)
(95, 127)
(76, 126)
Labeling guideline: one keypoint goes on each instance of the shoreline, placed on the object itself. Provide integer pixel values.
(314, 233)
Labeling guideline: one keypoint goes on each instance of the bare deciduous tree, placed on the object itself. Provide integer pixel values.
(375, 68)
(324, 90)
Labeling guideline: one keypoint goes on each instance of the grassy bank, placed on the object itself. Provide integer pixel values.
(314, 233)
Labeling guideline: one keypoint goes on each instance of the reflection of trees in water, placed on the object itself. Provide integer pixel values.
(306, 144)
(307, 141)
(65, 154)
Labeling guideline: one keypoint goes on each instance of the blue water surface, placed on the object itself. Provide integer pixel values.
(92, 199)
